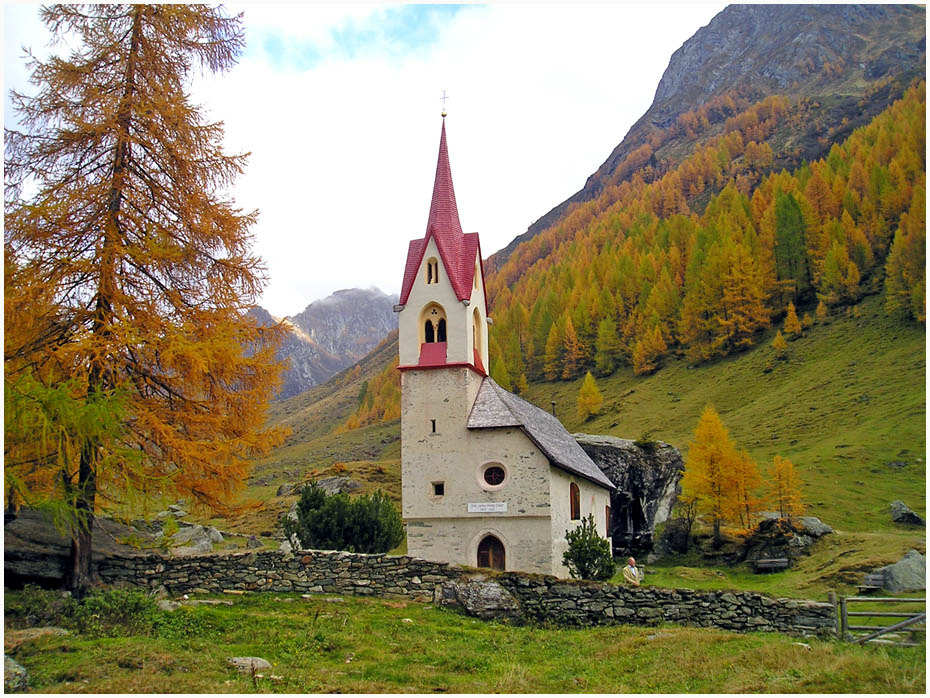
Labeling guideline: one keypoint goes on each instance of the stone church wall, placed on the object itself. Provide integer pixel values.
(514, 595)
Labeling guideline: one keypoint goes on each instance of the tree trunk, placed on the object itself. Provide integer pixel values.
(80, 572)
(80, 575)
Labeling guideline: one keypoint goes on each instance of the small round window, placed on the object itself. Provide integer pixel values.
(494, 475)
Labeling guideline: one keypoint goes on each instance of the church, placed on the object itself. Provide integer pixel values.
(488, 479)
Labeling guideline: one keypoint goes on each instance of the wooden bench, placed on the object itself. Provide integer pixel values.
(771, 565)
(874, 581)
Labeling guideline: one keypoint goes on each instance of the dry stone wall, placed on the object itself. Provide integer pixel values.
(515, 596)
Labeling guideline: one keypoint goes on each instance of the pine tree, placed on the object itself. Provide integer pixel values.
(572, 355)
(780, 346)
(746, 480)
(785, 489)
(589, 397)
(146, 267)
(647, 351)
(905, 288)
(822, 312)
(792, 324)
(552, 361)
(608, 347)
(709, 470)
(791, 260)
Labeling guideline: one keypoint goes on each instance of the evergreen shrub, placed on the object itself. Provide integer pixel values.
(366, 524)
(588, 555)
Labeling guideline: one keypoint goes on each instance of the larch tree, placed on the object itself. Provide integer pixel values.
(792, 325)
(709, 470)
(785, 489)
(589, 397)
(133, 278)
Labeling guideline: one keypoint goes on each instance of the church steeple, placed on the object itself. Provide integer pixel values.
(443, 212)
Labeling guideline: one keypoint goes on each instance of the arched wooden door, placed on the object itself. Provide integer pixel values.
(491, 553)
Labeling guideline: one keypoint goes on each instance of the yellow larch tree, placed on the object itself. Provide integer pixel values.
(785, 489)
(589, 397)
(136, 350)
(709, 470)
(792, 323)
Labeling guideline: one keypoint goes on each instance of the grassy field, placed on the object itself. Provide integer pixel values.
(355, 645)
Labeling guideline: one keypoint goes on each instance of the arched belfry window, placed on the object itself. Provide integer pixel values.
(574, 495)
(432, 271)
(433, 322)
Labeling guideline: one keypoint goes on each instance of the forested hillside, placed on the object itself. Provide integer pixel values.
(650, 268)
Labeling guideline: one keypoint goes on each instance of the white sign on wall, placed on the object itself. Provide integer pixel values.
(486, 507)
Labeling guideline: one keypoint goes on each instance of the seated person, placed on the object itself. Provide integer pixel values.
(631, 573)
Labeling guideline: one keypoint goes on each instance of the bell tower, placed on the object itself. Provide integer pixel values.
(443, 311)
(443, 347)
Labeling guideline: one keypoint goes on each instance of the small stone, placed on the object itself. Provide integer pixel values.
(249, 665)
(253, 542)
(167, 605)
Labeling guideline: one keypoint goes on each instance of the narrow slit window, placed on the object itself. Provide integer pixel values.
(432, 424)
(430, 333)
(441, 331)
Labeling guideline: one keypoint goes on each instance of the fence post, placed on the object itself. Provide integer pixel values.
(836, 618)
(844, 620)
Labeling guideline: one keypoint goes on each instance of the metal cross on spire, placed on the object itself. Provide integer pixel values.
(443, 99)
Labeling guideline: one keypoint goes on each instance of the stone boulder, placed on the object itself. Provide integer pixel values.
(908, 574)
(776, 538)
(481, 598)
(35, 551)
(813, 526)
(648, 480)
(901, 513)
(253, 543)
(288, 488)
(15, 678)
(338, 484)
(249, 665)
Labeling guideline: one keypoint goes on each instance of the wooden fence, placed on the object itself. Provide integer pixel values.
(875, 626)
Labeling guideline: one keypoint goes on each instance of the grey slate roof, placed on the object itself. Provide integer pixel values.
(495, 407)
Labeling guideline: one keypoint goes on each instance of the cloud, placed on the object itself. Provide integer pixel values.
(339, 107)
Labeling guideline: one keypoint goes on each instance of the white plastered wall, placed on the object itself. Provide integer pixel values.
(593, 500)
(440, 527)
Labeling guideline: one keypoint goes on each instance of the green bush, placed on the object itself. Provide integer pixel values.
(105, 613)
(366, 524)
(588, 555)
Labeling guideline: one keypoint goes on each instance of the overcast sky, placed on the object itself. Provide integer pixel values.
(340, 106)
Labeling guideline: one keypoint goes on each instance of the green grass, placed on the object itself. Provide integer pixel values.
(370, 646)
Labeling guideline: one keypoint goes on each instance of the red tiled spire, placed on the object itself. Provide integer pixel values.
(443, 212)
(457, 250)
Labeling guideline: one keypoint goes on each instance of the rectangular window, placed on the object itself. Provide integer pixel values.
(607, 514)
(439, 489)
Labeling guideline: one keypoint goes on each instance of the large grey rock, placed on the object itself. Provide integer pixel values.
(648, 481)
(485, 599)
(15, 678)
(908, 574)
(35, 551)
(214, 535)
(813, 526)
(249, 665)
(286, 489)
(197, 537)
(336, 485)
(901, 513)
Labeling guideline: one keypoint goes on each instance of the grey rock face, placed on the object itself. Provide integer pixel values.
(286, 489)
(908, 574)
(480, 598)
(901, 513)
(648, 483)
(331, 334)
(15, 678)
